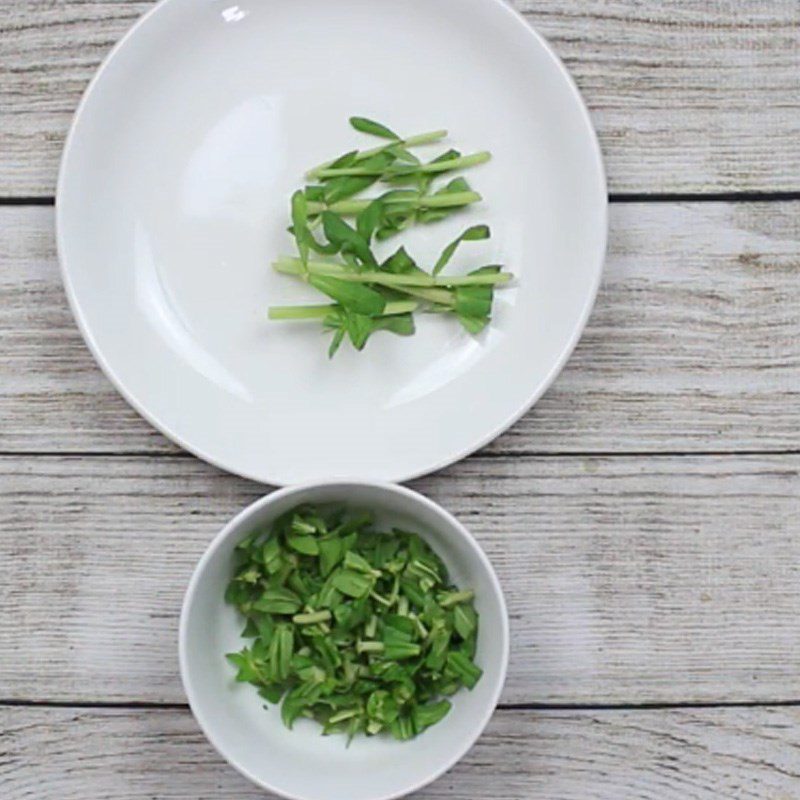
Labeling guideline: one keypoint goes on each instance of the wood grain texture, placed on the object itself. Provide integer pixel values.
(680, 754)
(628, 580)
(687, 95)
(694, 344)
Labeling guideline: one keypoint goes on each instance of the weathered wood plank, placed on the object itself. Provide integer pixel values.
(629, 580)
(687, 95)
(677, 754)
(694, 344)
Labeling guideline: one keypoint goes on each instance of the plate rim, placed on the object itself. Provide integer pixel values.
(275, 479)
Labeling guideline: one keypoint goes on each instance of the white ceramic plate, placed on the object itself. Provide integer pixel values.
(302, 764)
(173, 199)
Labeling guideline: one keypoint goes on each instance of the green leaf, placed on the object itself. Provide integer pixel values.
(400, 263)
(409, 175)
(473, 325)
(474, 303)
(292, 706)
(266, 629)
(317, 247)
(403, 728)
(463, 668)
(353, 584)
(465, 620)
(345, 160)
(353, 560)
(300, 225)
(402, 154)
(336, 189)
(278, 601)
(364, 125)
(346, 186)
(237, 593)
(383, 707)
(455, 186)
(369, 219)
(315, 194)
(359, 327)
(446, 156)
(330, 554)
(336, 341)
(400, 324)
(353, 296)
(271, 555)
(272, 693)
(281, 649)
(429, 714)
(473, 234)
(243, 663)
(305, 545)
(399, 628)
(412, 591)
(339, 233)
(438, 643)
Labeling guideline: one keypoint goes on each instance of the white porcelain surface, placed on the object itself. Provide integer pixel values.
(173, 199)
(301, 764)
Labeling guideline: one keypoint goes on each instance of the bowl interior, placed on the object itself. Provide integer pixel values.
(301, 763)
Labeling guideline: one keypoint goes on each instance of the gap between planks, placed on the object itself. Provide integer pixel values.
(479, 454)
(614, 197)
(665, 706)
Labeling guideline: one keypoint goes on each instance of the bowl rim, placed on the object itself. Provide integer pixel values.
(413, 497)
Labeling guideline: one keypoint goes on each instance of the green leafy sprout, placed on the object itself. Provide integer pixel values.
(336, 230)
(356, 628)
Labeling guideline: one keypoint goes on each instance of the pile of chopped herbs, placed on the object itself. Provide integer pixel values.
(358, 629)
(336, 255)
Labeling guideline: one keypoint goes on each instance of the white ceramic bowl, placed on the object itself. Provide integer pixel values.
(173, 199)
(301, 764)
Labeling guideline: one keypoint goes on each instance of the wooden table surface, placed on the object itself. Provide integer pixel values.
(644, 518)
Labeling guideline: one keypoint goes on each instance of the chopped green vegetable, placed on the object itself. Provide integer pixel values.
(358, 629)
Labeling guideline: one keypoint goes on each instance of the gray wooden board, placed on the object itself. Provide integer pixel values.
(676, 754)
(647, 559)
(686, 95)
(629, 580)
(694, 344)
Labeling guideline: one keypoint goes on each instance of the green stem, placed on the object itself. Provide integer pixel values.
(341, 716)
(412, 141)
(489, 279)
(322, 311)
(440, 297)
(293, 266)
(391, 172)
(300, 312)
(415, 285)
(369, 647)
(454, 598)
(451, 200)
(312, 617)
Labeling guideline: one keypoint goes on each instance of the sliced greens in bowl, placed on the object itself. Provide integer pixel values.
(357, 628)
